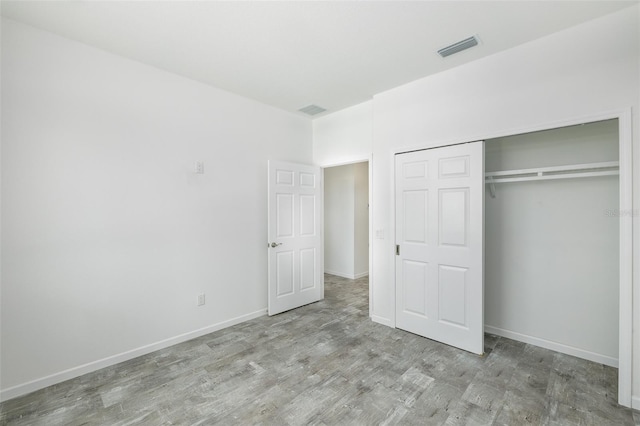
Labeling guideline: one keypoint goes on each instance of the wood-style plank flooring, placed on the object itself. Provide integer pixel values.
(328, 364)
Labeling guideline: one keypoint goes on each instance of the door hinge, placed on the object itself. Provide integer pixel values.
(397, 250)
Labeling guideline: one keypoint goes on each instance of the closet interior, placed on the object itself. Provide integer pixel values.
(552, 239)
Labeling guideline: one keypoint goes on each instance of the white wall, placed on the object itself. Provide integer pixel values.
(361, 217)
(583, 71)
(344, 136)
(108, 236)
(538, 286)
(346, 220)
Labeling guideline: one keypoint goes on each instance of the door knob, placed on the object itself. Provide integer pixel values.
(276, 244)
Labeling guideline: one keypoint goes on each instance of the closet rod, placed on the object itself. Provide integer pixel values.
(557, 172)
(607, 168)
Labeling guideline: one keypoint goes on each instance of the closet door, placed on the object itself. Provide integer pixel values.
(439, 196)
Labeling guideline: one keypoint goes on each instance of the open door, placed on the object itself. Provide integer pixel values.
(439, 236)
(295, 236)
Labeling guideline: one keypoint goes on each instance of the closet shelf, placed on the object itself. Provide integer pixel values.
(548, 173)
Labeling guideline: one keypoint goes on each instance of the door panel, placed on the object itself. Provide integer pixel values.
(307, 180)
(284, 274)
(295, 236)
(439, 230)
(308, 269)
(452, 292)
(415, 285)
(284, 215)
(308, 218)
(453, 215)
(415, 216)
(454, 167)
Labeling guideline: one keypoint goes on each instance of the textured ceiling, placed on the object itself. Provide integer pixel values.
(292, 54)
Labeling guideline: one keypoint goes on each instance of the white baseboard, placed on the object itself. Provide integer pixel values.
(554, 346)
(34, 385)
(383, 321)
(348, 276)
(339, 274)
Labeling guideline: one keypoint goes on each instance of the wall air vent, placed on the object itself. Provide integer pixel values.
(312, 110)
(458, 47)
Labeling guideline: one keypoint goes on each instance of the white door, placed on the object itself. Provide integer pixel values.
(296, 257)
(439, 236)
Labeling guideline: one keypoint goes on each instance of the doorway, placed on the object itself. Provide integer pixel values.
(346, 220)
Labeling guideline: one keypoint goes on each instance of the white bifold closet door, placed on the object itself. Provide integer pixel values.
(439, 197)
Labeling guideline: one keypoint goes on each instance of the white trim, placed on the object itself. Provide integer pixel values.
(393, 239)
(625, 327)
(383, 321)
(74, 372)
(346, 163)
(321, 234)
(554, 346)
(624, 117)
(371, 231)
(345, 275)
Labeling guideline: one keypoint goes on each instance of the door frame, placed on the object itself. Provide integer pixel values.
(626, 231)
(367, 159)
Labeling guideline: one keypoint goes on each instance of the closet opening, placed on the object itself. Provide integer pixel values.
(558, 241)
(552, 239)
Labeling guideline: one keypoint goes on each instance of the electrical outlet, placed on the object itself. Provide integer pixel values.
(201, 299)
(199, 167)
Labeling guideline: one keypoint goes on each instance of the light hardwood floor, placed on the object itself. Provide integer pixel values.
(328, 364)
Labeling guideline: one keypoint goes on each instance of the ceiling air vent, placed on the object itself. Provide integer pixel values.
(312, 109)
(458, 47)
